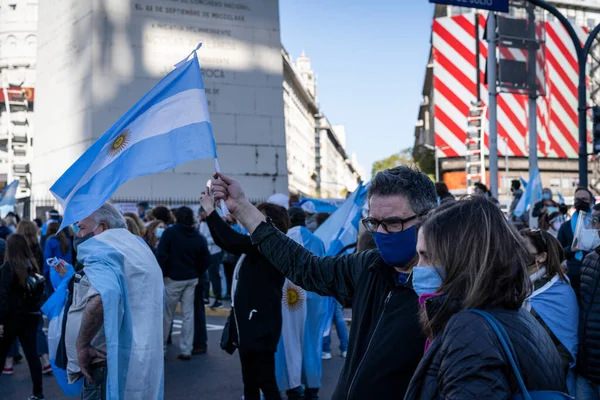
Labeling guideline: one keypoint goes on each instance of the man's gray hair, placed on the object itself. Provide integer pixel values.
(408, 182)
(110, 216)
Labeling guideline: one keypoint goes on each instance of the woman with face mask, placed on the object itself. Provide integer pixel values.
(153, 234)
(480, 263)
(553, 302)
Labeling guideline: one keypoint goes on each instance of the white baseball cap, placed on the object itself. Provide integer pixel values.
(309, 207)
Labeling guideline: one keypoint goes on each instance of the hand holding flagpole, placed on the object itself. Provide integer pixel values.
(222, 202)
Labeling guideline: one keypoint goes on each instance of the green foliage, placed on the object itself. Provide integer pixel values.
(404, 157)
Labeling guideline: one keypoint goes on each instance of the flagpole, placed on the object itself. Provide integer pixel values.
(222, 203)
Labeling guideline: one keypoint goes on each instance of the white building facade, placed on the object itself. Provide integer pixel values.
(266, 137)
(318, 165)
(18, 45)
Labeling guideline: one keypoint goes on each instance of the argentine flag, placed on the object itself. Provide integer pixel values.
(7, 199)
(167, 127)
(304, 320)
(533, 193)
(341, 228)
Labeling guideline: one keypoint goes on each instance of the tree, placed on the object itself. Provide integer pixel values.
(404, 157)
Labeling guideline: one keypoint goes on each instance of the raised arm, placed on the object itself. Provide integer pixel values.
(228, 238)
(328, 276)
(223, 235)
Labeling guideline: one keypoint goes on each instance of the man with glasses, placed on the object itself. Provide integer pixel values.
(386, 341)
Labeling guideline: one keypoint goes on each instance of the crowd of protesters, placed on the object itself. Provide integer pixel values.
(450, 297)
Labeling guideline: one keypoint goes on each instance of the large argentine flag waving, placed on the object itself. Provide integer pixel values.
(167, 127)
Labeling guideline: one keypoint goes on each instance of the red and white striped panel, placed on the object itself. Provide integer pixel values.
(455, 88)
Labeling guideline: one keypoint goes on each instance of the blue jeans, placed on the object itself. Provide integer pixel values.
(340, 327)
(587, 390)
(96, 390)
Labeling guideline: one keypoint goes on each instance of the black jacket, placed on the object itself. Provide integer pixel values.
(565, 237)
(386, 341)
(183, 253)
(13, 300)
(257, 299)
(588, 357)
(466, 360)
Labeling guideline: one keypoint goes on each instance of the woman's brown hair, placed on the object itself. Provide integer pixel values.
(484, 258)
(278, 214)
(138, 221)
(132, 226)
(52, 231)
(30, 230)
(546, 243)
(20, 258)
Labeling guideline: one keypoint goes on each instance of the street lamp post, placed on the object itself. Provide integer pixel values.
(582, 54)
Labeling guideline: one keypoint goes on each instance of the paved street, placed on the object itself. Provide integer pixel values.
(215, 376)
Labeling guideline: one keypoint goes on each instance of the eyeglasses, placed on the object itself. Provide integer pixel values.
(390, 225)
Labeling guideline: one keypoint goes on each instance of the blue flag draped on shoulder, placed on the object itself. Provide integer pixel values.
(167, 127)
(341, 228)
(533, 193)
(556, 304)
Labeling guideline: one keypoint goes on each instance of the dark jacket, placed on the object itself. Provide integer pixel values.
(539, 206)
(13, 300)
(466, 360)
(565, 237)
(588, 357)
(386, 341)
(183, 253)
(257, 299)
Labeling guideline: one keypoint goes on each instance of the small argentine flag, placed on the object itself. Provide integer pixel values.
(167, 127)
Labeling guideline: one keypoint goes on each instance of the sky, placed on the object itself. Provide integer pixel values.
(370, 60)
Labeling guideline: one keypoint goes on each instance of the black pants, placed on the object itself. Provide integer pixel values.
(200, 334)
(258, 373)
(25, 328)
(213, 276)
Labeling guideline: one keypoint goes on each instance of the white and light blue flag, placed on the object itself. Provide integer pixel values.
(167, 127)
(341, 228)
(533, 193)
(123, 269)
(304, 320)
(8, 198)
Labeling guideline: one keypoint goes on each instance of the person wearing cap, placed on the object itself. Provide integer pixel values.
(279, 199)
(51, 216)
(310, 210)
(142, 207)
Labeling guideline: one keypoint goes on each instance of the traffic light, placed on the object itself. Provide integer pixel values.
(596, 129)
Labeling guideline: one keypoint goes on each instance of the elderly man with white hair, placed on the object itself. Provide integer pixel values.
(113, 336)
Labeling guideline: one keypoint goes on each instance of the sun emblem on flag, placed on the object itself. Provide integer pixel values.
(119, 143)
(293, 296)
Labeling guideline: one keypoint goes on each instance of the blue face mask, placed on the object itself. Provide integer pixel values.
(547, 196)
(159, 232)
(397, 249)
(427, 279)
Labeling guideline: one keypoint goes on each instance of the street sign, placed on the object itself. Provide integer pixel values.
(492, 5)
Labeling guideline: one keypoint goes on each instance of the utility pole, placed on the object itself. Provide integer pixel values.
(532, 84)
(492, 104)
